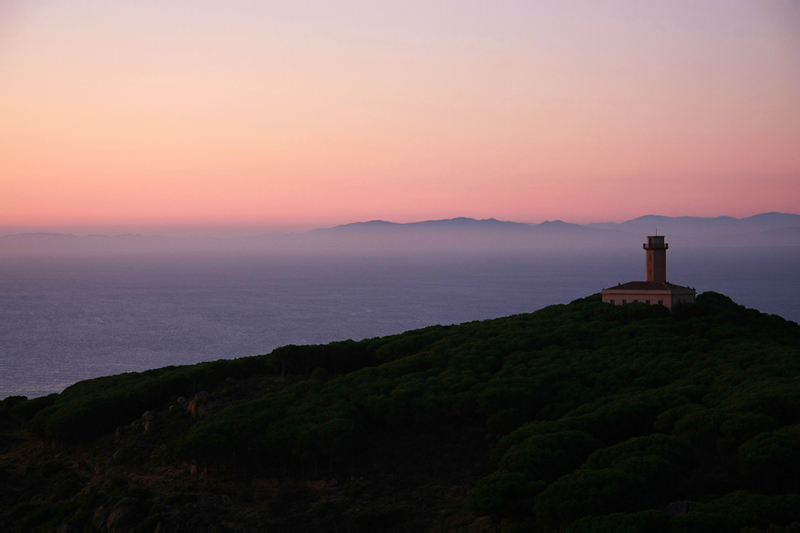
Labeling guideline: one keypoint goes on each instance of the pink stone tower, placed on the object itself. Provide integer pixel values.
(656, 250)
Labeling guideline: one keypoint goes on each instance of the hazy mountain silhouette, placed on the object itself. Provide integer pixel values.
(459, 233)
(763, 229)
(440, 235)
(649, 222)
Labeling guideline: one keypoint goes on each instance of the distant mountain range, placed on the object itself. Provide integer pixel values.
(449, 234)
(756, 222)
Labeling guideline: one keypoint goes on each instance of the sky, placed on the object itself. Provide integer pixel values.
(244, 116)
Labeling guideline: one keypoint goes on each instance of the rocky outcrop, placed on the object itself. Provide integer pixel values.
(681, 507)
(122, 513)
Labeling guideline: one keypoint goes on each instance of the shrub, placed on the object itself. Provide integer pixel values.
(590, 493)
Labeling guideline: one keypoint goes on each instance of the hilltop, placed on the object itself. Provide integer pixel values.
(584, 417)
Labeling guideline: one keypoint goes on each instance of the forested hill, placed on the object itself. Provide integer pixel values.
(578, 417)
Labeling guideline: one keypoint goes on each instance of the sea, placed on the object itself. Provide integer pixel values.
(66, 319)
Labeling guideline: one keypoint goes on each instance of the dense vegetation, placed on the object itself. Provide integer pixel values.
(598, 417)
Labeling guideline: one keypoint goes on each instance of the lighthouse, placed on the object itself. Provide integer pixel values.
(656, 252)
(656, 290)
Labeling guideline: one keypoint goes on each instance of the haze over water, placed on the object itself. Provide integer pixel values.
(67, 319)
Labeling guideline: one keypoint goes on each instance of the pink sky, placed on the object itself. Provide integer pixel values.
(135, 115)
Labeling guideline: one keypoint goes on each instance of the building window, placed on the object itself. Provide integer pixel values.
(647, 302)
(612, 302)
(624, 302)
(661, 302)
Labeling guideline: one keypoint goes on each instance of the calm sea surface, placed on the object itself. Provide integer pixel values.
(67, 319)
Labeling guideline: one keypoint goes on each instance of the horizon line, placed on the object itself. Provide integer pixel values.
(222, 231)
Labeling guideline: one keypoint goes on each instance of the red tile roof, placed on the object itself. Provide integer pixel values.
(648, 286)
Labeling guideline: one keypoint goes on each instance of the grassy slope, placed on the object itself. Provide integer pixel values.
(584, 416)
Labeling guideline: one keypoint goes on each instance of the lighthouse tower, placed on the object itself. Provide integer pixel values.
(656, 250)
(656, 290)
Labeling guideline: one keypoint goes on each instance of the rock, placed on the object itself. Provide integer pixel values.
(149, 426)
(483, 523)
(200, 395)
(88, 489)
(99, 517)
(118, 434)
(122, 512)
(181, 400)
(148, 415)
(118, 457)
(681, 507)
(127, 502)
(192, 407)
